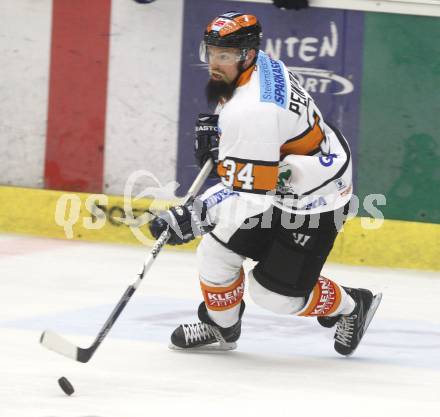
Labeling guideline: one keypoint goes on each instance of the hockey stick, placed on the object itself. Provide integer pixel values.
(57, 343)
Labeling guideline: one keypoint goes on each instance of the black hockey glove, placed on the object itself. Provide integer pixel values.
(183, 222)
(206, 140)
(291, 4)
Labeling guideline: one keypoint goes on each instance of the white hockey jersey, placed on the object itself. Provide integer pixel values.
(275, 148)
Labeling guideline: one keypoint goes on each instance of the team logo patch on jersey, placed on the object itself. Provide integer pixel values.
(273, 87)
(283, 178)
(283, 184)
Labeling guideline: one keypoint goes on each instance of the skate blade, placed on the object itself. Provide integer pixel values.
(371, 312)
(214, 347)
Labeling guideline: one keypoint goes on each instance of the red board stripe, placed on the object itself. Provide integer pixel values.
(77, 95)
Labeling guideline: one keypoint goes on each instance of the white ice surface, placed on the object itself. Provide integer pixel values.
(284, 366)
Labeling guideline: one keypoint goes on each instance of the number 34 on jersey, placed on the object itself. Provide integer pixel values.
(248, 175)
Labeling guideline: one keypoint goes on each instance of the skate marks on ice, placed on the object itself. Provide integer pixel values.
(152, 319)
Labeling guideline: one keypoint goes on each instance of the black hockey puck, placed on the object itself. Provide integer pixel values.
(66, 386)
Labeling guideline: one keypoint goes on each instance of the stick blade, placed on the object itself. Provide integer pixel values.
(58, 344)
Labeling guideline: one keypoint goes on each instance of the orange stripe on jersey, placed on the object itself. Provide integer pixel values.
(266, 177)
(324, 300)
(306, 143)
(248, 175)
(223, 298)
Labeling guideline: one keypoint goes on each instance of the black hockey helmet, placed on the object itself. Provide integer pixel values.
(232, 30)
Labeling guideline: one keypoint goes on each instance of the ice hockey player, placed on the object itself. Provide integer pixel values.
(283, 194)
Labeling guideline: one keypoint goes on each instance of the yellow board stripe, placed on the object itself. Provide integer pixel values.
(31, 211)
(397, 244)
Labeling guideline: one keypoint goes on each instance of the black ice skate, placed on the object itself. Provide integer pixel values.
(326, 321)
(205, 334)
(352, 327)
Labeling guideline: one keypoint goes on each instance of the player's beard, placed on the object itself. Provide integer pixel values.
(217, 90)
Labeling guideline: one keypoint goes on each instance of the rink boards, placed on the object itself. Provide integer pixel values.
(99, 217)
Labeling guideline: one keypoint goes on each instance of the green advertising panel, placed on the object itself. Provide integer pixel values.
(399, 150)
